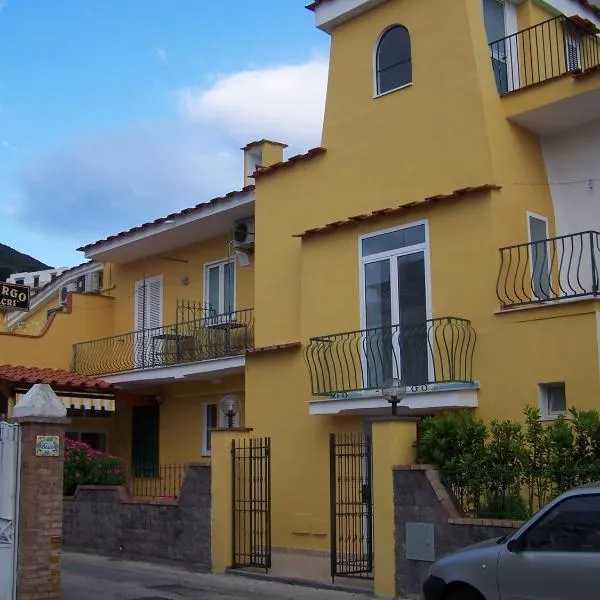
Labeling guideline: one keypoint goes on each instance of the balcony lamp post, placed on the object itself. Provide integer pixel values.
(394, 391)
(230, 406)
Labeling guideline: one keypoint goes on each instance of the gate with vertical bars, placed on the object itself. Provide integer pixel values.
(351, 506)
(10, 437)
(251, 487)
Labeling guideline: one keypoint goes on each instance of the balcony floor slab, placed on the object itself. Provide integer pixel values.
(419, 400)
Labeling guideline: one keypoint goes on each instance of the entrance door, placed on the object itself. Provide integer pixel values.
(495, 26)
(147, 341)
(395, 306)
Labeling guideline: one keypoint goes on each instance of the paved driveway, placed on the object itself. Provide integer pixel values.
(94, 578)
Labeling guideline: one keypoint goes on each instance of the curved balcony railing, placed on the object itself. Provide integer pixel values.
(553, 269)
(434, 351)
(210, 337)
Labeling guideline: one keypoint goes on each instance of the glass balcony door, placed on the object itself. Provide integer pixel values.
(395, 309)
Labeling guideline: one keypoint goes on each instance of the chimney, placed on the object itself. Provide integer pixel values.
(262, 153)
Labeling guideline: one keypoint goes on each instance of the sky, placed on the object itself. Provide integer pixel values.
(116, 112)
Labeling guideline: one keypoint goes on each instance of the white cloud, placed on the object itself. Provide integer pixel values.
(103, 182)
(284, 102)
(160, 53)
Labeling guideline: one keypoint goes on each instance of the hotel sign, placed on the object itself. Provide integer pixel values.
(14, 297)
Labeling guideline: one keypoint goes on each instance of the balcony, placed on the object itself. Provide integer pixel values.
(206, 338)
(546, 271)
(564, 55)
(437, 351)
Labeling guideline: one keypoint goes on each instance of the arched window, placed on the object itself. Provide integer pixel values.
(393, 60)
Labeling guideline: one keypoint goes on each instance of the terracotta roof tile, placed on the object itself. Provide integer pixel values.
(274, 348)
(263, 141)
(198, 208)
(401, 208)
(315, 4)
(262, 171)
(61, 380)
(584, 3)
(591, 7)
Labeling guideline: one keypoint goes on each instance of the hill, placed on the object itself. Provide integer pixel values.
(12, 261)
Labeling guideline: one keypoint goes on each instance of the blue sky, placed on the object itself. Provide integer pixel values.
(113, 112)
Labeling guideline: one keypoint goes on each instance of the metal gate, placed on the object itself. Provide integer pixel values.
(9, 492)
(251, 485)
(351, 498)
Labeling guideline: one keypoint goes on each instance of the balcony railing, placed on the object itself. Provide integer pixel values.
(434, 351)
(557, 268)
(542, 52)
(210, 337)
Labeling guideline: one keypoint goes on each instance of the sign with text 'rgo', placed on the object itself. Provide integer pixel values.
(14, 297)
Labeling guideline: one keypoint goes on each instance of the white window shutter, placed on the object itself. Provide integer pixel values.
(154, 306)
(139, 305)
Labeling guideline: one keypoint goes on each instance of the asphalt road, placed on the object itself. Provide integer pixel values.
(95, 578)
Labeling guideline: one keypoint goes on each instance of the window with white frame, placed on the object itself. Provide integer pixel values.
(393, 60)
(553, 399)
(219, 286)
(213, 417)
(395, 282)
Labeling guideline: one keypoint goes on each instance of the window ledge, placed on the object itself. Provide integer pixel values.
(553, 417)
(402, 87)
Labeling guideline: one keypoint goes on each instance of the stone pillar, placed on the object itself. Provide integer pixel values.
(221, 492)
(43, 419)
(393, 444)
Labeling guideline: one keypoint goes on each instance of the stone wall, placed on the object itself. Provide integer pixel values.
(420, 497)
(104, 520)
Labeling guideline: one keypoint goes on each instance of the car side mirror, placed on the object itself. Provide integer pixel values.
(515, 545)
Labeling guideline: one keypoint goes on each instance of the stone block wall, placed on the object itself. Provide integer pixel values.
(420, 497)
(104, 520)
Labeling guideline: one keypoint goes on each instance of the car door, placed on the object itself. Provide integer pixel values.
(558, 557)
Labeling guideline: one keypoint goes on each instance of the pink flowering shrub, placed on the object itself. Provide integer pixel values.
(86, 466)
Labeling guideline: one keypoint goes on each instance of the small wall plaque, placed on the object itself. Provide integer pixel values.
(47, 445)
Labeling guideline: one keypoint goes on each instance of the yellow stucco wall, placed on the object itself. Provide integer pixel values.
(182, 416)
(447, 131)
(35, 320)
(89, 317)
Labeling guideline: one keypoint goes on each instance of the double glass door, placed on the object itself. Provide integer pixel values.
(395, 308)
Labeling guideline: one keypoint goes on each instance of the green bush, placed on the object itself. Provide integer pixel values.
(86, 466)
(509, 469)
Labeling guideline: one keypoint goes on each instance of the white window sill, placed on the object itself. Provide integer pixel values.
(554, 416)
(402, 87)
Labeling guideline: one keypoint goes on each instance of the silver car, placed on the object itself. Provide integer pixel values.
(554, 556)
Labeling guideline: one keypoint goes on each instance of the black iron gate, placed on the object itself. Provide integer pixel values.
(351, 497)
(251, 486)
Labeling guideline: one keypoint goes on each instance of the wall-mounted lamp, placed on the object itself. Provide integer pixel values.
(185, 280)
(230, 406)
(394, 391)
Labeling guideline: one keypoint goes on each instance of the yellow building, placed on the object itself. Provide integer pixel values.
(445, 234)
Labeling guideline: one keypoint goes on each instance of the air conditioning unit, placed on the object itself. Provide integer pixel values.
(97, 277)
(81, 284)
(243, 235)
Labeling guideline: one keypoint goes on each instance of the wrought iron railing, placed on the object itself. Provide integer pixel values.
(542, 52)
(433, 351)
(214, 336)
(557, 268)
(156, 481)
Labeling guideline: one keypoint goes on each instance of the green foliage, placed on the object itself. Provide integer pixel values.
(509, 469)
(86, 466)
